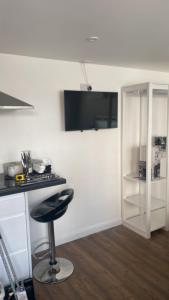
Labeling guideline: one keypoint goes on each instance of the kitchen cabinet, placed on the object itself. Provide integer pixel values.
(14, 223)
(14, 227)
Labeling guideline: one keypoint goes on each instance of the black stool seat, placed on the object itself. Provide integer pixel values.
(55, 269)
(53, 208)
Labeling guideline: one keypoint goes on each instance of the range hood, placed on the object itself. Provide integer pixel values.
(9, 102)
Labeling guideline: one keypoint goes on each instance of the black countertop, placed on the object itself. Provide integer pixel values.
(9, 187)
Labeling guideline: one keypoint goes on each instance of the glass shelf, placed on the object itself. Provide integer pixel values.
(140, 201)
(139, 222)
(135, 177)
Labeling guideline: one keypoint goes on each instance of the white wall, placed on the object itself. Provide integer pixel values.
(90, 161)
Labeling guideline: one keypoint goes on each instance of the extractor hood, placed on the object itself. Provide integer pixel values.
(9, 102)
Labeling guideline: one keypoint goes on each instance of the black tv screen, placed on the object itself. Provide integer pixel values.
(90, 110)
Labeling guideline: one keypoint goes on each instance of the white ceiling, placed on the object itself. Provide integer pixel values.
(133, 33)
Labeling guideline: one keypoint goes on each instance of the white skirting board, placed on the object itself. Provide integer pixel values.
(74, 235)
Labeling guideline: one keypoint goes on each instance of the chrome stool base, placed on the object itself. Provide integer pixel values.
(46, 273)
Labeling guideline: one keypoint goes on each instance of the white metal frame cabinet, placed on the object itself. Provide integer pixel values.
(145, 111)
(14, 226)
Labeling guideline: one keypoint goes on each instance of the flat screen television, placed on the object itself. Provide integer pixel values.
(90, 110)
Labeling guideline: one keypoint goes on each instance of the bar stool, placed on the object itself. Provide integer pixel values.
(54, 269)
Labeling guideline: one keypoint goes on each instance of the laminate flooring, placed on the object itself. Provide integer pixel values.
(114, 264)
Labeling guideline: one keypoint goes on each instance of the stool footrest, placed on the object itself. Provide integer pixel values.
(37, 248)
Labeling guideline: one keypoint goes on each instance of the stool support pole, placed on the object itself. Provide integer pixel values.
(51, 235)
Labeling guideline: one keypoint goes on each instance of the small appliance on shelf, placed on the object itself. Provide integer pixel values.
(11, 169)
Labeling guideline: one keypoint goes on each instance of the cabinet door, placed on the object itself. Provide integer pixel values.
(14, 233)
(12, 205)
(14, 229)
(20, 263)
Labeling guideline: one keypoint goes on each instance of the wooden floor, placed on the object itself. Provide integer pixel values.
(115, 264)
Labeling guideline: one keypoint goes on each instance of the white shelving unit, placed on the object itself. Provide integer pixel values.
(145, 115)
